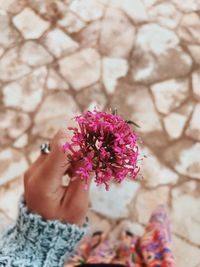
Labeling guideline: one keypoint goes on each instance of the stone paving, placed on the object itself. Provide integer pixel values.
(58, 58)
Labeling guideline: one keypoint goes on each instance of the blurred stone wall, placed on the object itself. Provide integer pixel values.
(58, 58)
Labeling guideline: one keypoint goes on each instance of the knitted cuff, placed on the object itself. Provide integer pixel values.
(55, 240)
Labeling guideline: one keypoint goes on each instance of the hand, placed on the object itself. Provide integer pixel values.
(44, 193)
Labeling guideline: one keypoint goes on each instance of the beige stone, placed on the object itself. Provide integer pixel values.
(71, 22)
(86, 64)
(195, 52)
(186, 108)
(154, 172)
(170, 94)
(9, 198)
(55, 81)
(117, 34)
(136, 10)
(148, 68)
(185, 253)
(13, 164)
(157, 55)
(186, 215)
(150, 3)
(11, 67)
(188, 5)
(115, 202)
(188, 161)
(14, 123)
(12, 6)
(9, 36)
(59, 43)
(196, 83)
(112, 3)
(56, 111)
(18, 94)
(189, 28)
(148, 200)
(188, 187)
(21, 142)
(113, 69)
(193, 129)
(165, 14)
(87, 10)
(92, 97)
(33, 148)
(1, 51)
(89, 36)
(5, 222)
(30, 24)
(98, 224)
(128, 100)
(156, 39)
(34, 54)
(49, 10)
(144, 115)
(127, 225)
(174, 124)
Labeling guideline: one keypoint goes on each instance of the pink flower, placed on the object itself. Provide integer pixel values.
(107, 146)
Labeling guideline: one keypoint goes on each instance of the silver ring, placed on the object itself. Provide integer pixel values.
(65, 180)
(45, 148)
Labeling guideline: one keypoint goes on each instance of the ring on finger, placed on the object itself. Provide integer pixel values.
(45, 148)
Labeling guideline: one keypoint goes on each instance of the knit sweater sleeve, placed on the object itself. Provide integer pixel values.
(36, 242)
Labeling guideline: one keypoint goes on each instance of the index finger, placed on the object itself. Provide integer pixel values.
(57, 162)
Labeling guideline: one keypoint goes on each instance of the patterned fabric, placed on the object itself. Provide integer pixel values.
(150, 250)
(36, 242)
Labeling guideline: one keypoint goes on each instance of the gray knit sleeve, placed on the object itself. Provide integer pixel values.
(36, 242)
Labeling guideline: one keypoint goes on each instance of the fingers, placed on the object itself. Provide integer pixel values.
(56, 162)
(76, 192)
(76, 185)
(35, 165)
(40, 159)
(75, 202)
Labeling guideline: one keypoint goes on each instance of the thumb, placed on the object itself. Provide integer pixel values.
(76, 198)
(77, 188)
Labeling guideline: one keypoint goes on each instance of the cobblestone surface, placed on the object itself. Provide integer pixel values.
(58, 58)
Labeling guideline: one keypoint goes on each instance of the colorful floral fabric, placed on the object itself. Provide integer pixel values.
(150, 250)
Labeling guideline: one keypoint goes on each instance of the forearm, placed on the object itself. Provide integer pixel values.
(33, 241)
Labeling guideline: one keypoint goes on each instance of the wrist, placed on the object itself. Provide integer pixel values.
(52, 240)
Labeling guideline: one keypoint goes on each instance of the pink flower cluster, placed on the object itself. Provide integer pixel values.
(107, 146)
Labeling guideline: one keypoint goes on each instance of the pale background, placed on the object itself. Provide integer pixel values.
(58, 58)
